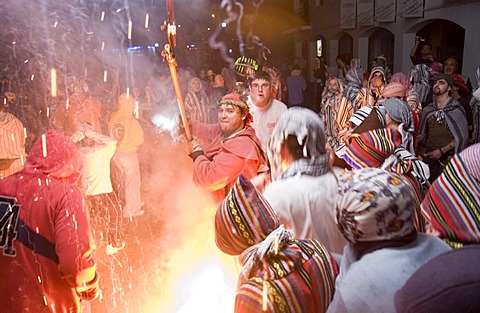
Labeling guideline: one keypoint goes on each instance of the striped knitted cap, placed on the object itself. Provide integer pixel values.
(471, 158)
(243, 219)
(371, 148)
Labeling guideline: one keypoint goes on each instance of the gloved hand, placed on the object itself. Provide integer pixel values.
(193, 145)
(90, 291)
(194, 149)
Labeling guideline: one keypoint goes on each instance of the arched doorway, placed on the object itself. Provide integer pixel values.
(381, 42)
(446, 38)
(345, 44)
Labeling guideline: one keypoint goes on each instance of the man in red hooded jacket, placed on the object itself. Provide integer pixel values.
(46, 264)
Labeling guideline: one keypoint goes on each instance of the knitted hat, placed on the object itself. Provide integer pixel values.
(393, 90)
(445, 77)
(243, 219)
(374, 204)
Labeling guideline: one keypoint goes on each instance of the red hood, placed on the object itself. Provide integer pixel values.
(62, 160)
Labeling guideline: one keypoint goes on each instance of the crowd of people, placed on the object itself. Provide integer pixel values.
(344, 201)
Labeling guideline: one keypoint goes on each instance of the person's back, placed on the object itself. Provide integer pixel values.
(374, 213)
(278, 273)
(47, 254)
(306, 204)
(296, 85)
(304, 187)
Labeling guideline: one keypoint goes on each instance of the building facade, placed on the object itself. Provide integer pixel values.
(365, 29)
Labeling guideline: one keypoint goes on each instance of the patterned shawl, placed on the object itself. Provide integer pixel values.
(355, 81)
(454, 115)
(452, 204)
(419, 76)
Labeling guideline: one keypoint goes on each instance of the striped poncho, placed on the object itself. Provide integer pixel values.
(452, 205)
(279, 274)
(301, 279)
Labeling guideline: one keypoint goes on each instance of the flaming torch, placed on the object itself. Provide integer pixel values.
(170, 28)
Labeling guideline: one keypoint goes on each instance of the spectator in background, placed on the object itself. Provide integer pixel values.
(343, 65)
(12, 143)
(411, 96)
(320, 76)
(81, 107)
(354, 85)
(218, 91)
(97, 151)
(424, 56)
(264, 109)
(335, 112)
(450, 66)
(381, 60)
(196, 102)
(125, 129)
(461, 93)
(46, 259)
(443, 128)
(372, 94)
(296, 85)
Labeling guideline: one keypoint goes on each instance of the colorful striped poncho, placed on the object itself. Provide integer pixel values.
(452, 205)
(279, 274)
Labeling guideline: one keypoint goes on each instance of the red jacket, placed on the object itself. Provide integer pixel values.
(47, 262)
(225, 158)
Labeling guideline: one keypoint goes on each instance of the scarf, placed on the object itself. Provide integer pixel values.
(454, 115)
(316, 166)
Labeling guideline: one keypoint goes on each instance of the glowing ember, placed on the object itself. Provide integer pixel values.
(147, 17)
(44, 145)
(130, 29)
(53, 73)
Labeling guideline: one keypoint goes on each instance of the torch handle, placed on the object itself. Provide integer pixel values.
(172, 65)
